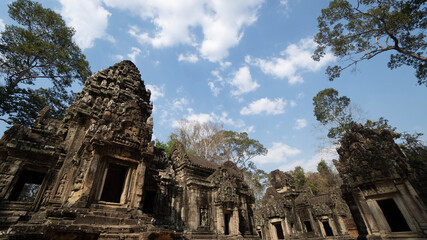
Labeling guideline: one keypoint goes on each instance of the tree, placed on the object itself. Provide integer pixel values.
(240, 149)
(210, 141)
(416, 155)
(338, 115)
(370, 27)
(37, 52)
(299, 177)
(201, 139)
(334, 111)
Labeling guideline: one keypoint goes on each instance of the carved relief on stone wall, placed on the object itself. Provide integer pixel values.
(226, 193)
(204, 217)
(272, 204)
(179, 155)
(322, 209)
(368, 155)
(378, 188)
(282, 180)
(119, 104)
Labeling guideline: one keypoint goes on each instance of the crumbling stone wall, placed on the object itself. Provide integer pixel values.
(290, 214)
(382, 201)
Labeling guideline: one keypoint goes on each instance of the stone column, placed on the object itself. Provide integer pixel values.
(376, 217)
(412, 203)
(193, 211)
(220, 224)
(288, 229)
(139, 186)
(333, 225)
(322, 229)
(315, 226)
(341, 225)
(367, 216)
(234, 226)
(285, 228)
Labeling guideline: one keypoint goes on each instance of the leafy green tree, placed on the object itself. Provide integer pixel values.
(333, 111)
(370, 27)
(165, 146)
(240, 149)
(39, 51)
(416, 155)
(299, 177)
(258, 181)
(337, 114)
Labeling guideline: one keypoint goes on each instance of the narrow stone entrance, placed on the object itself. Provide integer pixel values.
(149, 201)
(227, 218)
(328, 229)
(308, 226)
(114, 182)
(393, 215)
(279, 230)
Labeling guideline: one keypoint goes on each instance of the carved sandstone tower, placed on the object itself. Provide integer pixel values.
(82, 177)
(109, 129)
(376, 186)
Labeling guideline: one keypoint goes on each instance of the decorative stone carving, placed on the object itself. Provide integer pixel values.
(376, 186)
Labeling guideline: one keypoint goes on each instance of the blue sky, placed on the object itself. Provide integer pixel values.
(243, 63)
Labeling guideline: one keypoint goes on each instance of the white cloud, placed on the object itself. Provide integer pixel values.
(216, 84)
(292, 103)
(134, 53)
(214, 89)
(222, 118)
(250, 129)
(284, 2)
(88, 18)
(117, 57)
(296, 59)
(156, 92)
(224, 65)
(265, 105)
(300, 123)
(179, 104)
(192, 58)
(221, 22)
(327, 154)
(278, 153)
(243, 82)
(2, 25)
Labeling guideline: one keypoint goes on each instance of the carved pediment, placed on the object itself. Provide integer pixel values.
(226, 193)
(179, 155)
(273, 204)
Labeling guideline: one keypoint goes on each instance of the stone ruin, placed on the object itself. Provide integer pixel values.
(377, 187)
(96, 174)
(287, 213)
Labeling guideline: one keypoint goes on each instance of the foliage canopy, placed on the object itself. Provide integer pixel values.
(39, 49)
(210, 141)
(337, 114)
(370, 27)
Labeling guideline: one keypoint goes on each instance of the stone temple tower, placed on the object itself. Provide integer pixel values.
(82, 177)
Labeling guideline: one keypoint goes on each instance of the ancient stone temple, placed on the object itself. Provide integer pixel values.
(382, 200)
(207, 201)
(96, 175)
(290, 214)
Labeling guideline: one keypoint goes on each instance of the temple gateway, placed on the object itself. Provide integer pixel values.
(96, 174)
